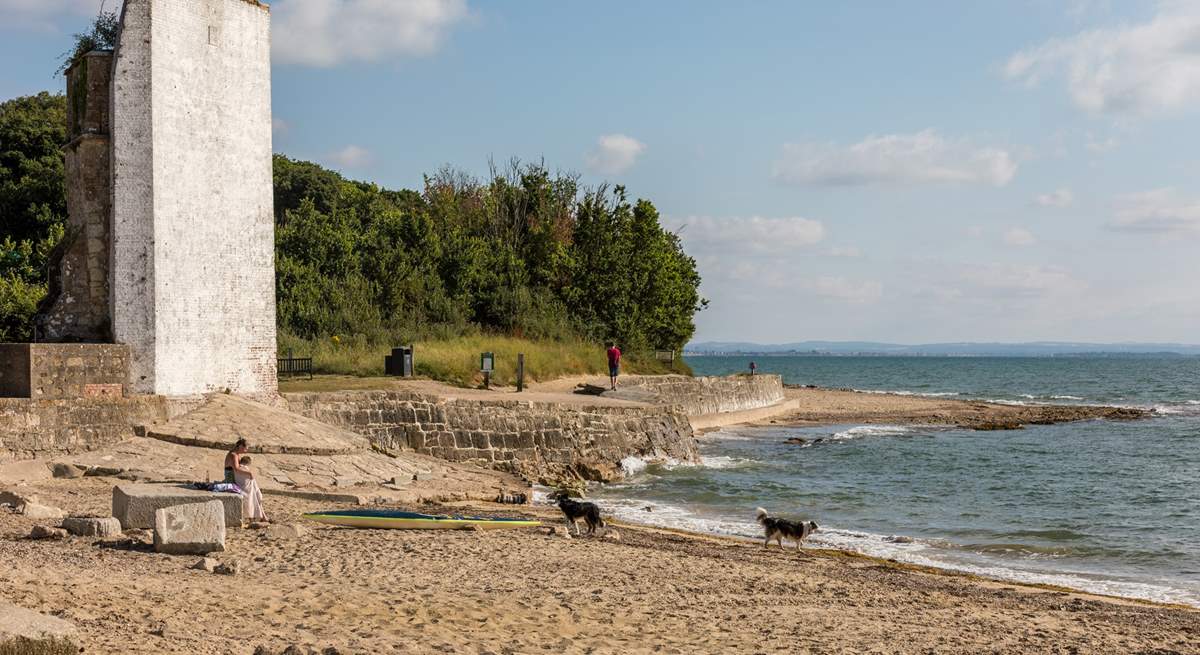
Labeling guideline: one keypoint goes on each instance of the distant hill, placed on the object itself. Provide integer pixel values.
(965, 349)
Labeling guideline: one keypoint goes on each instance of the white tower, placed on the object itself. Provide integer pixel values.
(193, 268)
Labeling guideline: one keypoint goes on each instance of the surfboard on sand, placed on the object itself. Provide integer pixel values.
(397, 520)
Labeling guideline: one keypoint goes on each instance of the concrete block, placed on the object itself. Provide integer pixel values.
(194, 529)
(135, 505)
(92, 527)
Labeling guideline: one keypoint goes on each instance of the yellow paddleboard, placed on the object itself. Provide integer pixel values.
(396, 520)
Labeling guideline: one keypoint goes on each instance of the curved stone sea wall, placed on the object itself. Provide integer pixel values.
(539, 441)
(697, 396)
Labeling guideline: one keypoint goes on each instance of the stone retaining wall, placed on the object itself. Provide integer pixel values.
(51, 371)
(42, 428)
(711, 395)
(539, 441)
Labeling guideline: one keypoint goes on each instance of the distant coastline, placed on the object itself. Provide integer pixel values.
(964, 349)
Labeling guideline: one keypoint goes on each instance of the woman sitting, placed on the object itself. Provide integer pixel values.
(238, 473)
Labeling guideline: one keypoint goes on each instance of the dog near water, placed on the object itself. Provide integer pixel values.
(777, 529)
(576, 511)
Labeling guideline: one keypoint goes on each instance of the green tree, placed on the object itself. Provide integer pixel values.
(32, 204)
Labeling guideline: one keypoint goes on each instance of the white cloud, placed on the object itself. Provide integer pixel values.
(279, 127)
(1019, 236)
(845, 251)
(1143, 69)
(1097, 145)
(1159, 211)
(614, 154)
(922, 157)
(1020, 280)
(1058, 198)
(840, 288)
(326, 33)
(352, 156)
(751, 234)
(44, 15)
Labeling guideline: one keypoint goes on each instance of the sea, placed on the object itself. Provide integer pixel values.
(1111, 507)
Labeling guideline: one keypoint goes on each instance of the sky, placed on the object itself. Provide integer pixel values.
(1005, 170)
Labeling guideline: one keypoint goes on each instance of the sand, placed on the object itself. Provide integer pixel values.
(819, 406)
(523, 591)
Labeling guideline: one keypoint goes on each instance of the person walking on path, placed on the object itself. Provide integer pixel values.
(614, 364)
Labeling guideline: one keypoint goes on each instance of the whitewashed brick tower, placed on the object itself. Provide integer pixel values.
(193, 273)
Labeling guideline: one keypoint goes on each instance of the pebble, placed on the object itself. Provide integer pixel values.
(43, 532)
(232, 567)
(206, 564)
(36, 511)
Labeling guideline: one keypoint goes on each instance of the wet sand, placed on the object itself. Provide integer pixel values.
(523, 591)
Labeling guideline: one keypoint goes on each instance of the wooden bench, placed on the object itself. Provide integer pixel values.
(295, 366)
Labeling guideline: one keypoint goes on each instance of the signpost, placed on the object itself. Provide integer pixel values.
(487, 364)
(520, 372)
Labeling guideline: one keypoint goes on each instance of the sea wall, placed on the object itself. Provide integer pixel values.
(46, 428)
(539, 441)
(697, 396)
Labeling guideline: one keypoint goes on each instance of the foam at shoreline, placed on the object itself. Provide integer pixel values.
(921, 552)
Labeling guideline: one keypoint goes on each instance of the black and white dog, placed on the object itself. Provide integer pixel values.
(575, 511)
(776, 529)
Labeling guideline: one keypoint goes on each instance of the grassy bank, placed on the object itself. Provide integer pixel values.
(456, 360)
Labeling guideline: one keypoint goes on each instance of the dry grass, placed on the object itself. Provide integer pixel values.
(46, 646)
(456, 361)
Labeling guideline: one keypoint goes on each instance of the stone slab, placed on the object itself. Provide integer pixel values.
(220, 421)
(18, 622)
(84, 526)
(192, 529)
(135, 505)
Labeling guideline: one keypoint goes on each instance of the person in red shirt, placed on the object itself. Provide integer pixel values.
(614, 364)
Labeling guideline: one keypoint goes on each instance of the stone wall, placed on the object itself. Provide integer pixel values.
(710, 395)
(45, 371)
(77, 307)
(539, 441)
(46, 428)
(193, 230)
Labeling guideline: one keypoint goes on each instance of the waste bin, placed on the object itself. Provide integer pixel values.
(400, 362)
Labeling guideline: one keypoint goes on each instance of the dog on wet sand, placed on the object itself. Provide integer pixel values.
(776, 529)
(575, 511)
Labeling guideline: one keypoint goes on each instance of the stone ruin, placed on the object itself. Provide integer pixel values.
(169, 249)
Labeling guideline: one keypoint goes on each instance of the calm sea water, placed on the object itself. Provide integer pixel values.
(1111, 507)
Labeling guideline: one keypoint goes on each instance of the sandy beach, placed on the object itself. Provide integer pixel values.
(524, 591)
(820, 406)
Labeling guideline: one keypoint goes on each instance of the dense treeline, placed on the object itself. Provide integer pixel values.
(33, 204)
(524, 252)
